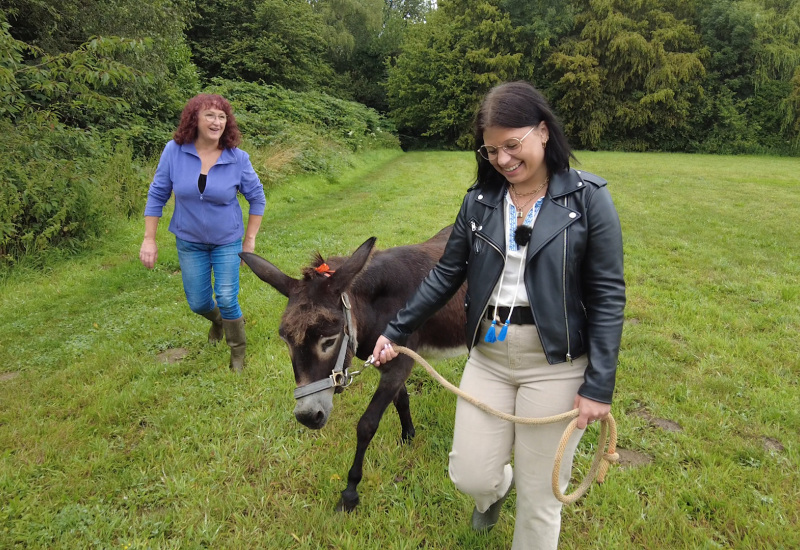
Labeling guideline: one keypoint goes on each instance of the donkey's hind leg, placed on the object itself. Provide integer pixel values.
(401, 403)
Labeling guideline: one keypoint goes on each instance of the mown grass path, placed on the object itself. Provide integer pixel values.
(105, 443)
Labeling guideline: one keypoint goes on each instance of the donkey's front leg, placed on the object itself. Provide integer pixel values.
(392, 380)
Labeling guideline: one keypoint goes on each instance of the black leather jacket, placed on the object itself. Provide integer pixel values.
(573, 275)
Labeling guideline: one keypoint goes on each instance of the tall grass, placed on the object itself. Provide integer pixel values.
(106, 444)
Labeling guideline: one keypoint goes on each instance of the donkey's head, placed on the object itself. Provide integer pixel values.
(315, 325)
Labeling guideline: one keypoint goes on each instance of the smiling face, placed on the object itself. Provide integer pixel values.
(521, 163)
(210, 125)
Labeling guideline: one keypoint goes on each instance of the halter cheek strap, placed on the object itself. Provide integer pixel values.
(339, 377)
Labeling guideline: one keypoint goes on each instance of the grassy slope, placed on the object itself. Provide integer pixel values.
(103, 444)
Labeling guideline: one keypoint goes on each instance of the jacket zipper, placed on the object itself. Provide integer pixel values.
(490, 243)
(564, 289)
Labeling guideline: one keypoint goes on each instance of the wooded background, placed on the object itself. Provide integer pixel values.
(88, 83)
(678, 75)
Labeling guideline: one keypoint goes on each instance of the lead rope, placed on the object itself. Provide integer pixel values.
(602, 460)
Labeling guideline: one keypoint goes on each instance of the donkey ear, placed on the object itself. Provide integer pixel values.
(352, 266)
(269, 273)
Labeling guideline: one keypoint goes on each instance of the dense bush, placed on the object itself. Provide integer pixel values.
(295, 132)
(61, 177)
(61, 186)
(121, 38)
(271, 114)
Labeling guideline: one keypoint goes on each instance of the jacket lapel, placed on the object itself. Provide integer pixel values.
(493, 222)
(554, 216)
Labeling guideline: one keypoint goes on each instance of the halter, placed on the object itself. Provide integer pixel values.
(339, 378)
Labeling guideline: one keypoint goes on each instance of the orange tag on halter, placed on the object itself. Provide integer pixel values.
(324, 269)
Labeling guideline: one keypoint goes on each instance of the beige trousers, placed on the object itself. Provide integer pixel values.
(514, 376)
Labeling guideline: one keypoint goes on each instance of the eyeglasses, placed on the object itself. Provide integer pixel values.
(211, 117)
(511, 146)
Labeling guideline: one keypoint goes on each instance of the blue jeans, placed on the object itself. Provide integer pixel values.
(197, 263)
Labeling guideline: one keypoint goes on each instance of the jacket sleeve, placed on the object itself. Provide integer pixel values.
(603, 285)
(439, 286)
(251, 187)
(161, 186)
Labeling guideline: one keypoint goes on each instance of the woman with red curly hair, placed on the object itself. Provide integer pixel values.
(205, 170)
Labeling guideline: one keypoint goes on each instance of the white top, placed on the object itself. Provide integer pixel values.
(510, 289)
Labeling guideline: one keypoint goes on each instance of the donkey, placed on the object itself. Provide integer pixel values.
(337, 311)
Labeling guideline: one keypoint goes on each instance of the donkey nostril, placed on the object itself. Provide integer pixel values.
(314, 419)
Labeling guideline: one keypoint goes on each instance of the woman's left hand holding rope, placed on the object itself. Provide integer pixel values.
(589, 411)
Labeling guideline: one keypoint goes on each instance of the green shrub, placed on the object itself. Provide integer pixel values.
(60, 186)
(270, 114)
(288, 132)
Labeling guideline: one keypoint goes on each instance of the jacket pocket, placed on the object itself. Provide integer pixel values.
(475, 227)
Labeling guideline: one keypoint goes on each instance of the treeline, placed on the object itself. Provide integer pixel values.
(88, 84)
(718, 76)
(678, 75)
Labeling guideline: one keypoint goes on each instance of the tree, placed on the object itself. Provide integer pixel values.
(349, 24)
(777, 65)
(790, 109)
(629, 74)
(748, 105)
(539, 25)
(57, 27)
(367, 71)
(272, 41)
(448, 63)
(350, 30)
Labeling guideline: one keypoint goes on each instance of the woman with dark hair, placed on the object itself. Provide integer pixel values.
(540, 247)
(205, 169)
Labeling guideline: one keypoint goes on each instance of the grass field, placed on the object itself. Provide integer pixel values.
(121, 428)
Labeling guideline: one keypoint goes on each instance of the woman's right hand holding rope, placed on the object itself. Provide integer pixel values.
(384, 351)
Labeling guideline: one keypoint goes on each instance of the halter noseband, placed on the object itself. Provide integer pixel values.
(339, 378)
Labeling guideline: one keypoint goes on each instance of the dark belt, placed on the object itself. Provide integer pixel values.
(520, 315)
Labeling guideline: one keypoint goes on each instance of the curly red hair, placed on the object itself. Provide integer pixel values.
(187, 128)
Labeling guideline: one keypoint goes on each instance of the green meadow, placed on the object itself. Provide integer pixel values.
(120, 427)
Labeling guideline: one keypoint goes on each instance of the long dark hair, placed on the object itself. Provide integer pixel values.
(187, 128)
(517, 105)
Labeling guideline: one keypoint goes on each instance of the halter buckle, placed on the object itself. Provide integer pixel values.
(340, 379)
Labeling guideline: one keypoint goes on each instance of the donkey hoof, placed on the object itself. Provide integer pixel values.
(346, 504)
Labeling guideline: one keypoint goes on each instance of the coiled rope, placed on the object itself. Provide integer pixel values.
(602, 459)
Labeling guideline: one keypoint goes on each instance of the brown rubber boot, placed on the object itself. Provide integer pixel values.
(215, 332)
(234, 334)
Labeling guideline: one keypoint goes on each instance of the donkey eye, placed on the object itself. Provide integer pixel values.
(326, 344)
